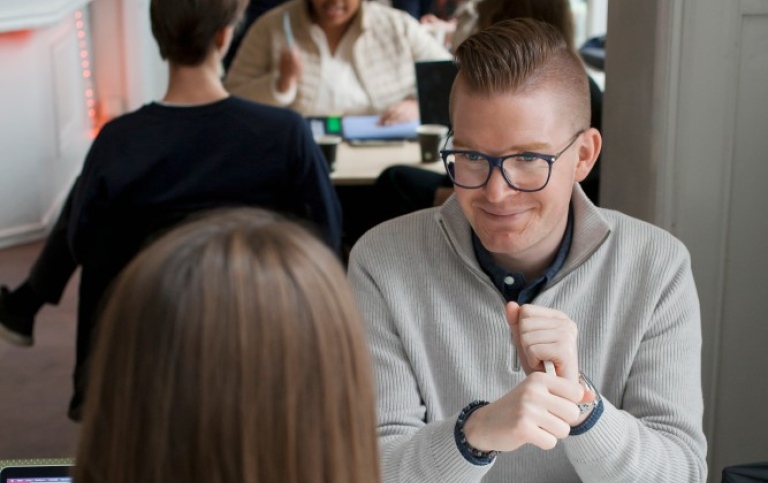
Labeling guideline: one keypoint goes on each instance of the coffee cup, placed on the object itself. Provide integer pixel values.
(431, 139)
(329, 145)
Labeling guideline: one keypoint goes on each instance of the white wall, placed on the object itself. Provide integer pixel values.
(686, 137)
(129, 71)
(44, 127)
(148, 74)
(741, 385)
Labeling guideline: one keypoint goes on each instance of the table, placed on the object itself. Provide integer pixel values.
(361, 165)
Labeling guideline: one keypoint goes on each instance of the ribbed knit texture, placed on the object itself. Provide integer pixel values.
(439, 340)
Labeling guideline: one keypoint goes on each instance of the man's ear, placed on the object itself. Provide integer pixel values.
(588, 150)
(223, 39)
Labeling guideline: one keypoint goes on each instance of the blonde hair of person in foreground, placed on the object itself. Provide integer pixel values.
(231, 350)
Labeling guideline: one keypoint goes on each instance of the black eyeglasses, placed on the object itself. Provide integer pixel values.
(526, 171)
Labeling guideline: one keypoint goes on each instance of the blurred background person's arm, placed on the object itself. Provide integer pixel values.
(262, 59)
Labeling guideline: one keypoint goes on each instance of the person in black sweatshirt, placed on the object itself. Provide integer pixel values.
(196, 149)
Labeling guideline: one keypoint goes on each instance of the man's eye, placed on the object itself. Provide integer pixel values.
(527, 157)
(472, 156)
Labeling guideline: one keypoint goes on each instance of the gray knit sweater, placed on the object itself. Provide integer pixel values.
(439, 340)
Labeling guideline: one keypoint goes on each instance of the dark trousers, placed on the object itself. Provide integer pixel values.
(55, 265)
(51, 272)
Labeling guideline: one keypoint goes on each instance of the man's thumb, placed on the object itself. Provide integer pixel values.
(512, 311)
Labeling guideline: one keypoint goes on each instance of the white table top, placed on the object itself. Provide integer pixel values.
(360, 165)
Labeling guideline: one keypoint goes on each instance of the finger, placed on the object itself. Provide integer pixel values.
(548, 339)
(564, 409)
(410, 110)
(295, 57)
(543, 439)
(554, 403)
(562, 406)
(561, 354)
(393, 117)
(555, 426)
(537, 347)
(396, 114)
(512, 313)
(287, 66)
(384, 119)
(530, 310)
(544, 429)
(285, 59)
(542, 322)
(588, 397)
(540, 341)
(548, 345)
(296, 65)
(564, 388)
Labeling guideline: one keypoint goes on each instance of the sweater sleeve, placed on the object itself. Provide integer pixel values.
(412, 450)
(656, 435)
(252, 73)
(424, 45)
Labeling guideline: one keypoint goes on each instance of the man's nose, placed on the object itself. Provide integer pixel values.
(497, 187)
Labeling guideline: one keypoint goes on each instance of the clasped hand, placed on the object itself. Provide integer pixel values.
(543, 408)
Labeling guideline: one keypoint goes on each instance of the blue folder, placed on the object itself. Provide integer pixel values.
(365, 128)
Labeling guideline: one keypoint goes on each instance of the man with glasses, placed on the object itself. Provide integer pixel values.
(518, 332)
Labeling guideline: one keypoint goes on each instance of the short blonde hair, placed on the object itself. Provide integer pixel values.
(523, 55)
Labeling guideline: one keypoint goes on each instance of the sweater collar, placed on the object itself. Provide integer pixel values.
(512, 284)
(590, 230)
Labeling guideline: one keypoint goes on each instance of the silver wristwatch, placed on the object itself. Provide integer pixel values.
(583, 408)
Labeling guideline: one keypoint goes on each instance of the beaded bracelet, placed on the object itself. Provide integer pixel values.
(482, 457)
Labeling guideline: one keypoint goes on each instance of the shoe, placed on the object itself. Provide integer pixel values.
(15, 328)
(75, 414)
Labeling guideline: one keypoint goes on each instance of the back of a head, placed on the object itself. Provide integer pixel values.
(231, 350)
(519, 56)
(185, 31)
(554, 12)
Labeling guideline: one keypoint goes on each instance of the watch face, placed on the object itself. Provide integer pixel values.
(583, 408)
